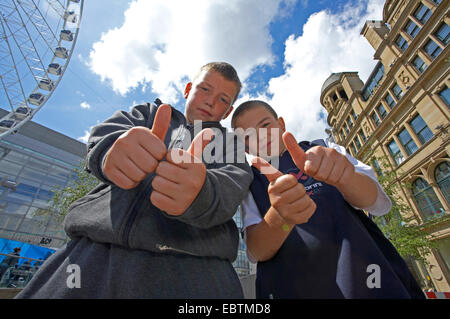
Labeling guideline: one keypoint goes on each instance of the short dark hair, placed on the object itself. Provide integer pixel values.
(226, 70)
(246, 106)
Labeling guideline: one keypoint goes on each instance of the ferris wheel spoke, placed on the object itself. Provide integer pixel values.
(58, 7)
(27, 48)
(39, 23)
(12, 75)
(5, 87)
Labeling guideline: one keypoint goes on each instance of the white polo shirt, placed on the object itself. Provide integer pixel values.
(250, 214)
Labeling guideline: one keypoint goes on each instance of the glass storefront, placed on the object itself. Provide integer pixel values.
(30, 170)
(33, 164)
(241, 264)
(27, 182)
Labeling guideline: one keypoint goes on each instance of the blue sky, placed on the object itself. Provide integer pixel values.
(131, 52)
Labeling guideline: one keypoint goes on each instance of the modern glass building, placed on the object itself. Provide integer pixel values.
(242, 265)
(32, 163)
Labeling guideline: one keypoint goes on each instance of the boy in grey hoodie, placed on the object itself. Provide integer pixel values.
(160, 223)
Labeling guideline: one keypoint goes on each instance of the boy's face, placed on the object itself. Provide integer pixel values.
(269, 131)
(209, 97)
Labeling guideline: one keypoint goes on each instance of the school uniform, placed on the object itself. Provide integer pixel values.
(338, 253)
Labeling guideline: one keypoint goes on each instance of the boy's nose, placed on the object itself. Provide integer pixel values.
(209, 101)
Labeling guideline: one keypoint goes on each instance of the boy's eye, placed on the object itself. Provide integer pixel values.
(265, 124)
(224, 101)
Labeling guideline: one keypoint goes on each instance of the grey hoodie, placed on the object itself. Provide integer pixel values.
(127, 248)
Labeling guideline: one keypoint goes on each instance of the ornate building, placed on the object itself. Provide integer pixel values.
(402, 114)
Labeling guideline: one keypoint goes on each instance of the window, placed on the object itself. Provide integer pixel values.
(15, 208)
(421, 129)
(334, 97)
(438, 2)
(38, 164)
(443, 33)
(343, 95)
(357, 143)
(445, 95)
(390, 101)
(422, 13)
(442, 176)
(373, 81)
(363, 136)
(426, 199)
(10, 222)
(432, 49)
(443, 247)
(9, 168)
(419, 64)
(401, 43)
(342, 135)
(350, 122)
(382, 111)
(353, 114)
(346, 128)
(397, 91)
(16, 157)
(377, 167)
(375, 118)
(352, 145)
(412, 29)
(395, 152)
(407, 142)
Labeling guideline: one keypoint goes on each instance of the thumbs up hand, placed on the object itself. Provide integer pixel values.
(180, 178)
(137, 152)
(287, 196)
(322, 163)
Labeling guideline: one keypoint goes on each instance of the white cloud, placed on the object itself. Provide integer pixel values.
(87, 133)
(84, 138)
(85, 105)
(329, 43)
(163, 42)
(80, 93)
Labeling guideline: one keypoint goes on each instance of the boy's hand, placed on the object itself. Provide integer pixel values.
(180, 178)
(136, 153)
(322, 163)
(287, 196)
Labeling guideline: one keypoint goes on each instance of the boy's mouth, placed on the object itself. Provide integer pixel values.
(204, 112)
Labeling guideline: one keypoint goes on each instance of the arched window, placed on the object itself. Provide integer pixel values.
(426, 199)
(442, 176)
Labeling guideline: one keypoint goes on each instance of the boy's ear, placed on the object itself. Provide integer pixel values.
(228, 112)
(187, 90)
(282, 124)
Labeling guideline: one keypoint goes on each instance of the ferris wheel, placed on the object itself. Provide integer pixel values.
(37, 39)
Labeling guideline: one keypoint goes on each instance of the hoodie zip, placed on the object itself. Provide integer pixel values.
(127, 229)
(140, 198)
(162, 247)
